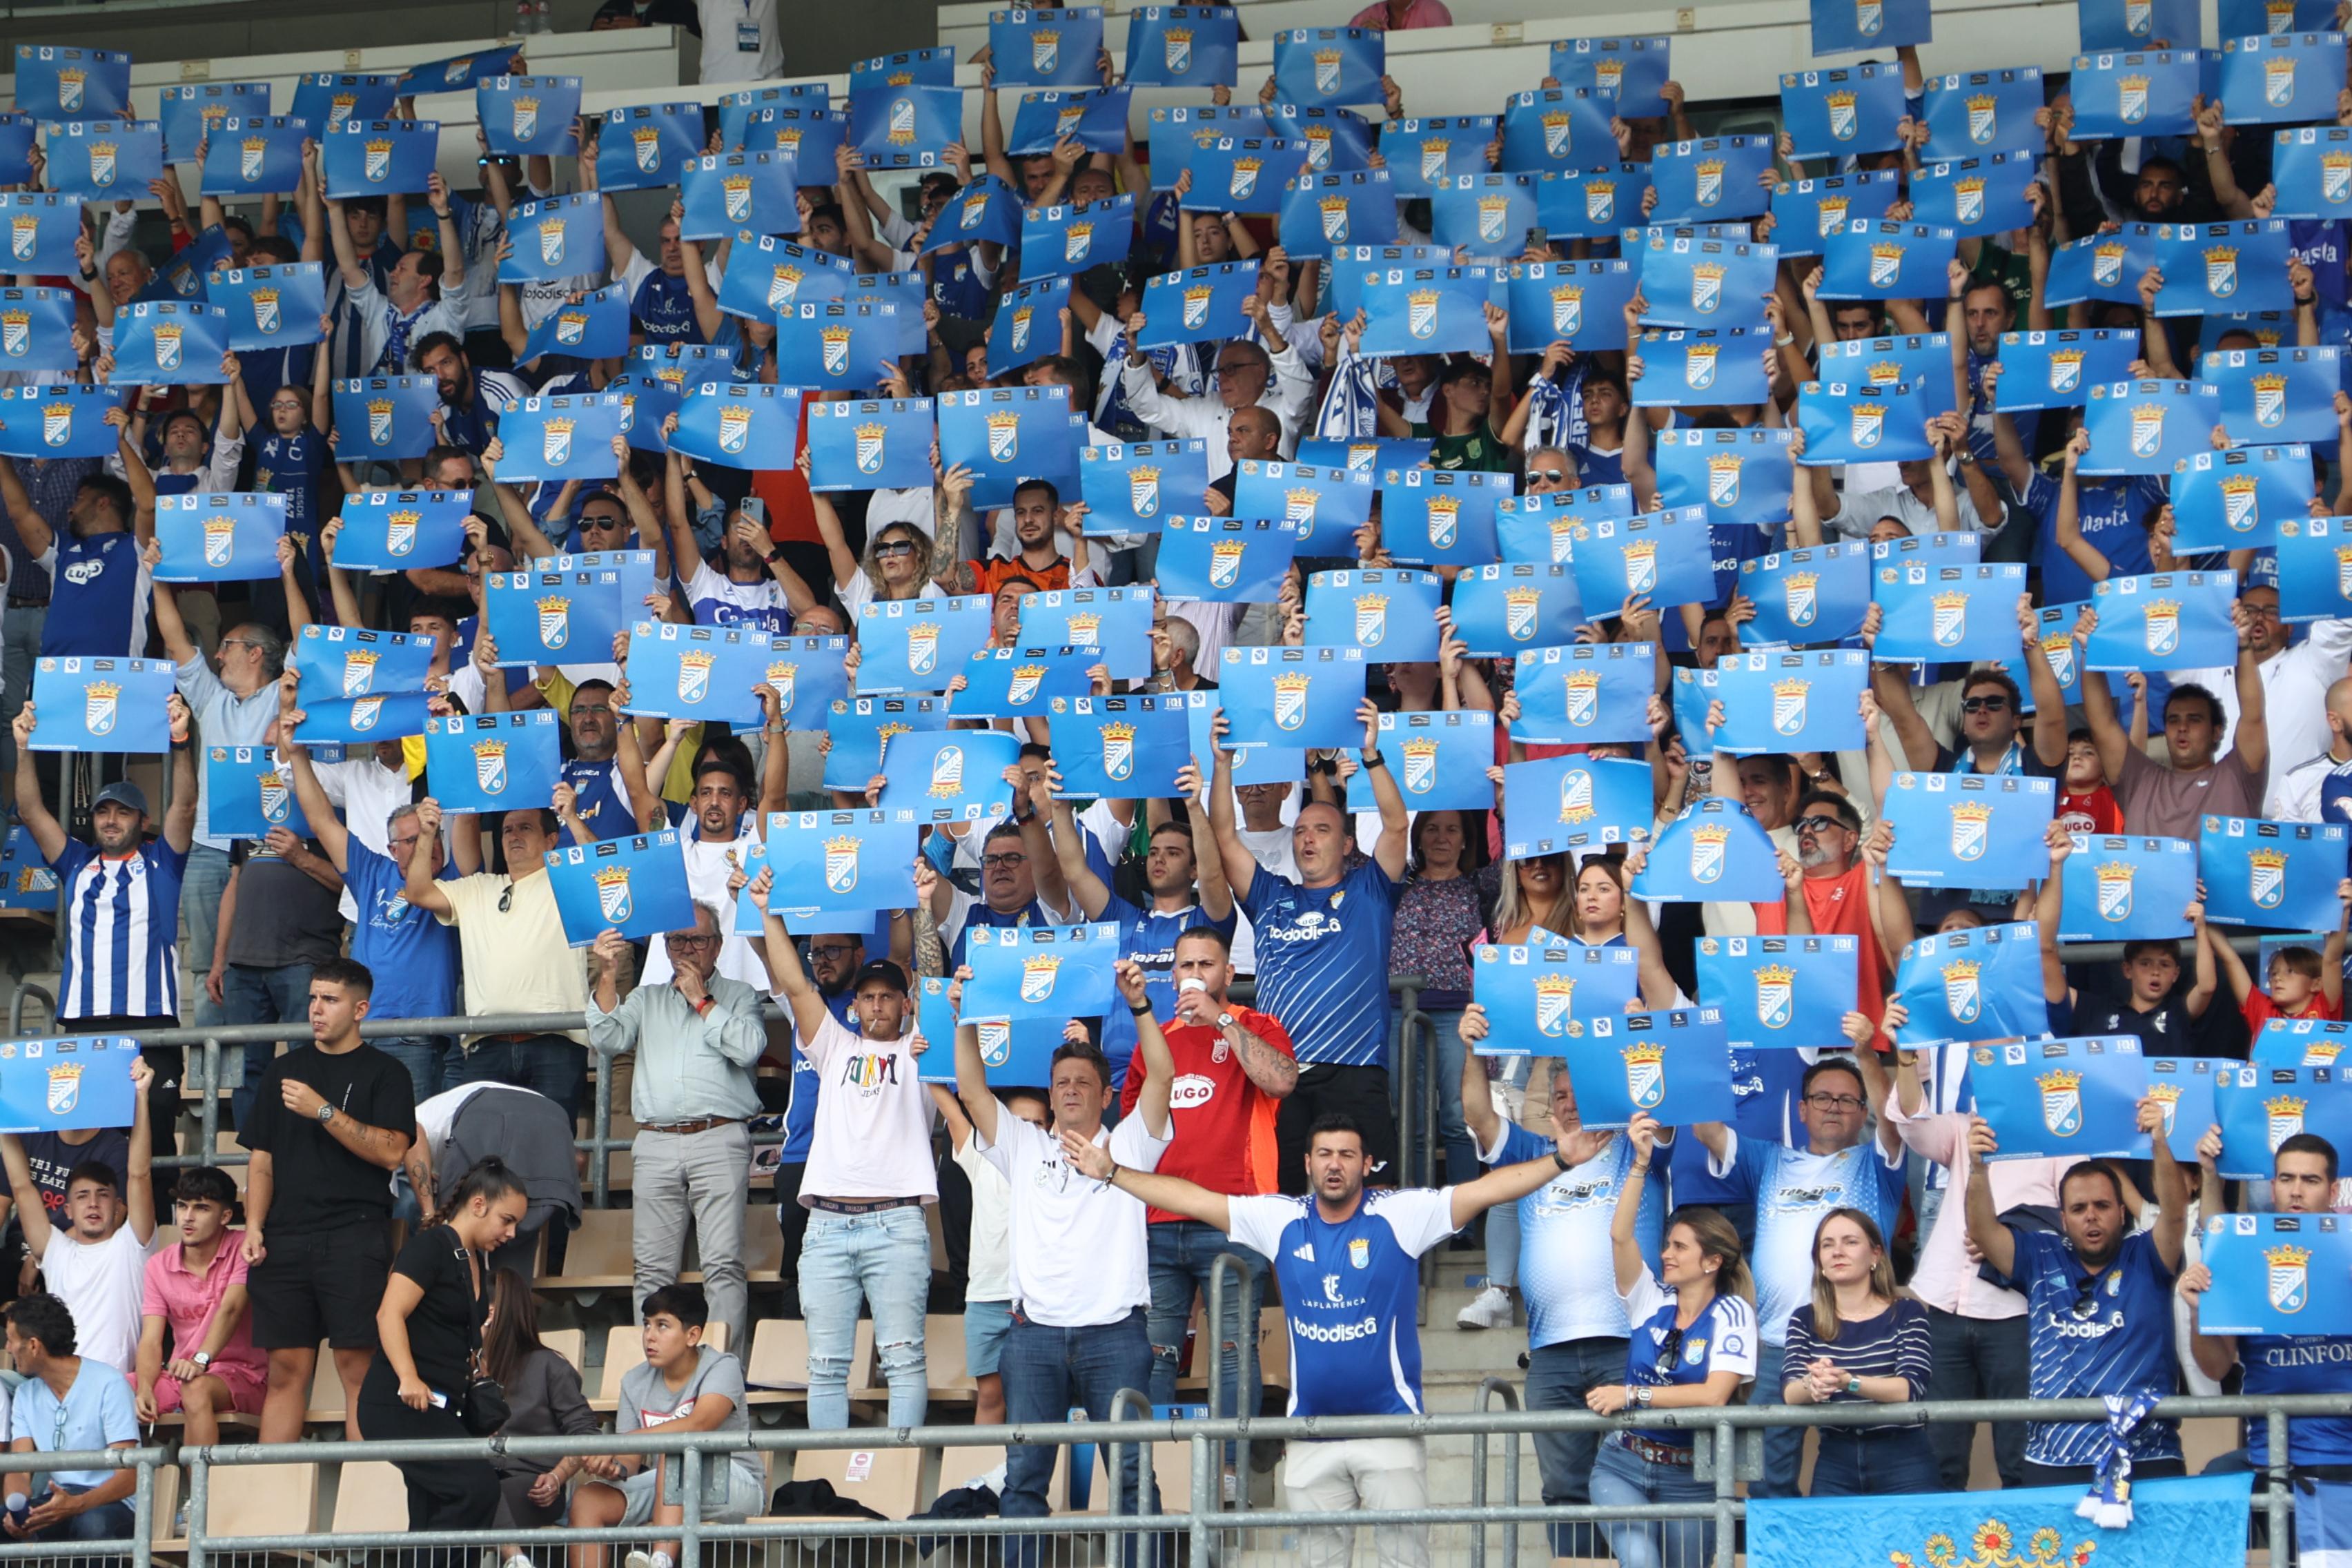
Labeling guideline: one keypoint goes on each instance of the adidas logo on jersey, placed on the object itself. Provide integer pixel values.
(1304, 1252)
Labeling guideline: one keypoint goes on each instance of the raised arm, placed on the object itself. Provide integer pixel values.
(1991, 1239)
(808, 1008)
(422, 888)
(1624, 1220)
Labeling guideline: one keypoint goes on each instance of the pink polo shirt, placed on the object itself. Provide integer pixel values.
(1946, 1278)
(187, 1301)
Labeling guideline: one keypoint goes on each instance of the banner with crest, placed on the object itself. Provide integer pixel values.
(1177, 135)
(2311, 170)
(556, 617)
(1972, 112)
(1069, 238)
(1539, 998)
(885, 121)
(1005, 434)
(1112, 748)
(1329, 505)
(2210, 267)
(1502, 608)
(1667, 557)
(919, 645)
(67, 1085)
(1022, 682)
(251, 155)
(698, 672)
(2269, 1271)
(270, 307)
(2261, 1106)
(1558, 128)
(170, 342)
(394, 531)
(1936, 613)
(1391, 614)
(1426, 153)
(740, 112)
(1806, 596)
(2173, 1521)
(327, 99)
(2237, 499)
(728, 194)
(1844, 27)
(737, 425)
(1834, 113)
(1884, 258)
(493, 762)
(873, 444)
(1791, 701)
(1183, 45)
(553, 439)
(2058, 369)
(1713, 851)
(1706, 368)
(2281, 78)
(104, 160)
(647, 147)
(862, 728)
(1712, 179)
(1980, 985)
(1293, 696)
(1054, 47)
(836, 346)
(1486, 214)
(2126, 889)
(1584, 693)
(103, 704)
(1244, 174)
(37, 328)
(2163, 620)
(1634, 70)
(1116, 621)
(248, 795)
(1027, 328)
(385, 418)
(1095, 118)
(1227, 561)
(2067, 1099)
(1806, 213)
(1780, 990)
(1574, 803)
(1439, 761)
(2271, 874)
(41, 226)
(1051, 973)
(1951, 830)
(2277, 394)
(635, 886)
(950, 775)
(1195, 306)
(1321, 211)
(1978, 195)
(2314, 568)
(369, 157)
(594, 326)
(1674, 1066)
(214, 538)
(1134, 487)
(54, 82)
(25, 881)
(1329, 65)
(842, 862)
(556, 239)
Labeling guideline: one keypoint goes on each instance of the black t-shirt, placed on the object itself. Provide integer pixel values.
(53, 1159)
(320, 1186)
(442, 1330)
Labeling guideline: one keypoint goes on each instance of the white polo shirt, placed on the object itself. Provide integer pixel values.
(1079, 1256)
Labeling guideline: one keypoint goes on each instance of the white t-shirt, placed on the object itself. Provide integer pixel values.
(1079, 1256)
(872, 1133)
(708, 869)
(103, 1284)
(727, 27)
(989, 1266)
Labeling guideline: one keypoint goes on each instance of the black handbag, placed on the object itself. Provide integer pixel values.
(484, 1408)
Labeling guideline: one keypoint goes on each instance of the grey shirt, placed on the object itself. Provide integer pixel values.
(647, 1404)
(689, 1067)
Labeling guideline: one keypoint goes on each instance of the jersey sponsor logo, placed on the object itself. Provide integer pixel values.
(1191, 1092)
(1336, 1333)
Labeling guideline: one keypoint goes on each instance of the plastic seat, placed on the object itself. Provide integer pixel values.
(370, 1497)
(777, 1372)
(572, 1344)
(600, 1256)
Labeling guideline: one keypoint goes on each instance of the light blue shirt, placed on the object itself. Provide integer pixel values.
(97, 1412)
(223, 719)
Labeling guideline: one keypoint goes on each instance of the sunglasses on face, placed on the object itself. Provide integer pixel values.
(895, 547)
(1984, 704)
(1820, 825)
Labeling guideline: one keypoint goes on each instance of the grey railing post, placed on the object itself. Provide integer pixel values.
(1487, 1390)
(599, 1160)
(208, 1104)
(1124, 1407)
(1204, 1496)
(689, 1530)
(2276, 1497)
(199, 1500)
(1726, 1480)
(142, 1514)
(1226, 1266)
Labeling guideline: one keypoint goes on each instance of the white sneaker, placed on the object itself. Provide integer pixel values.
(648, 1560)
(1491, 1309)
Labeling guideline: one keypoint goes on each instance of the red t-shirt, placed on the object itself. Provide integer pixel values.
(1840, 906)
(2097, 811)
(1223, 1122)
(2260, 1009)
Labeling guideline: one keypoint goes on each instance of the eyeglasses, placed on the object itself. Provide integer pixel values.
(1834, 1101)
(1549, 476)
(584, 709)
(1820, 825)
(506, 900)
(1984, 705)
(831, 950)
(691, 938)
(1007, 861)
(403, 843)
(895, 547)
(239, 642)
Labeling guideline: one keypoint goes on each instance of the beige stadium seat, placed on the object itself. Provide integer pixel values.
(777, 1372)
(326, 1390)
(572, 1344)
(887, 1480)
(260, 1499)
(600, 1255)
(370, 1497)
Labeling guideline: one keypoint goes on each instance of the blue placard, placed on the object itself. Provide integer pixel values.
(385, 417)
(950, 775)
(2137, 94)
(67, 1085)
(1704, 369)
(1882, 260)
(1329, 65)
(647, 146)
(1121, 747)
(1952, 829)
(1426, 309)
(2062, 1099)
(61, 419)
(728, 194)
(739, 112)
(1560, 128)
(2055, 639)
(1805, 213)
(1244, 174)
(553, 439)
(652, 392)
(169, 341)
(1634, 71)
(247, 795)
(1694, 690)
(1045, 47)
(1983, 111)
(2217, 267)
(1713, 851)
(736, 425)
(1021, 682)
(1183, 45)
(2236, 500)
(1539, 998)
(983, 211)
(862, 728)
(59, 83)
(1734, 477)
(1352, 264)
(2271, 874)
(364, 721)
(1391, 614)
(870, 445)
(2284, 79)
(1008, 434)
(1328, 505)
(1251, 765)
(1694, 282)
(1225, 560)
(339, 663)
(2275, 1274)
(1502, 608)
(845, 862)
(1855, 422)
(1712, 179)
(2281, 1042)
(556, 617)
(1028, 325)
(36, 331)
(2058, 369)
(528, 116)
(561, 236)
(1581, 303)
(594, 326)
(635, 886)
(1486, 214)
(2261, 1107)
(1132, 486)
(25, 881)
(1338, 141)
(1585, 694)
(1292, 696)
(904, 289)
(1979, 985)
(2314, 568)
(459, 72)
(188, 275)
(251, 156)
(808, 675)
(1041, 972)
(2138, 24)
(1574, 804)
(2149, 427)
(1834, 113)
(1817, 595)
(1440, 517)
(2172, 620)
(698, 672)
(2277, 394)
(885, 121)
(1116, 621)
(1015, 1053)
(919, 645)
(1201, 305)
(18, 134)
(1663, 556)
(1177, 135)
(2311, 170)
(103, 704)
(1673, 1066)
(1321, 211)
(811, 136)
(493, 762)
(331, 99)
(394, 530)
(364, 157)
(1789, 701)
(1424, 156)
(1095, 118)
(836, 346)
(41, 228)
(105, 160)
(1440, 761)
(1780, 990)
(1841, 27)
(1065, 240)
(1590, 203)
(270, 307)
(2244, 18)
(213, 538)
(2124, 889)
(1375, 454)
(1936, 612)
(1975, 196)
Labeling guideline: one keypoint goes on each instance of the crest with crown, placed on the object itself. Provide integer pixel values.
(378, 164)
(1420, 765)
(1290, 700)
(612, 892)
(1554, 994)
(1118, 750)
(1196, 303)
(2270, 398)
(1842, 104)
(1646, 1074)
(1708, 843)
(1971, 829)
(15, 332)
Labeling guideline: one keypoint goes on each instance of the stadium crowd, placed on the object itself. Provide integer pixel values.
(1556, 491)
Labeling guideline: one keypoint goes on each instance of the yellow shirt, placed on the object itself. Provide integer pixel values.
(517, 959)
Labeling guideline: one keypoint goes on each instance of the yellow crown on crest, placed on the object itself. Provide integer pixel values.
(1248, 165)
(1029, 672)
(559, 426)
(257, 143)
(102, 149)
(1557, 117)
(1790, 687)
(1118, 731)
(781, 669)
(104, 688)
(1973, 185)
(1425, 750)
(1520, 598)
(17, 318)
(1554, 986)
(1143, 474)
(2223, 253)
(1199, 295)
(2149, 411)
(1306, 498)
(1842, 101)
(1772, 973)
(2131, 83)
(1599, 188)
(359, 660)
(736, 184)
(697, 663)
(1966, 969)
(2274, 382)
(265, 296)
(57, 410)
(1583, 680)
(1951, 601)
(1327, 56)
(380, 406)
(1983, 103)
(1648, 1053)
(1717, 838)
(835, 334)
(2287, 1256)
(871, 432)
(1176, 37)
(1714, 166)
(551, 606)
(526, 106)
(1886, 252)
(1420, 297)
(613, 877)
(2160, 607)
(381, 146)
(1708, 270)
(1335, 203)
(2113, 252)
(843, 845)
(2166, 1093)
(2244, 485)
(1729, 463)
(1004, 422)
(482, 749)
(899, 78)
(1978, 813)
(1292, 683)
(2061, 1078)
(2333, 160)
(1886, 372)
(2284, 1105)
(2268, 859)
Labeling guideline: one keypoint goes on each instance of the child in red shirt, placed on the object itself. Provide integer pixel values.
(2086, 803)
(2303, 984)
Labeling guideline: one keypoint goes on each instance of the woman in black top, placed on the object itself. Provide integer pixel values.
(1857, 1342)
(434, 1307)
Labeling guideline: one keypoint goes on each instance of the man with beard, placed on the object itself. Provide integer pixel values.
(2295, 677)
(471, 400)
(1037, 510)
(593, 770)
(1837, 891)
(2099, 1306)
(418, 298)
(719, 839)
(757, 589)
(1008, 859)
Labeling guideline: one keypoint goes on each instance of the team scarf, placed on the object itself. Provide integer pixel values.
(2108, 1502)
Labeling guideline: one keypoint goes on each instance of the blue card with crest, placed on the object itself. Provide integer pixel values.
(2223, 267)
(1176, 135)
(1542, 527)
(1842, 26)
(1835, 113)
(1352, 264)
(1132, 486)
(1972, 113)
(835, 346)
(1694, 282)
(1423, 155)
(329, 99)
(2137, 24)
(1056, 47)
(1791, 701)
(844, 862)
(1440, 761)
(2271, 874)
(1391, 614)
(528, 116)
(1937, 612)
(1634, 71)
(1702, 368)
(1440, 517)
(904, 289)
(2063, 1099)
(646, 401)
(698, 672)
(1805, 213)
(459, 72)
(594, 326)
(2171, 620)
(2266, 1267)
(2150, 92)
(394, 530)
(1853, 422)
(2277, 394)
(1975, 196)
(1251, 765)
(919, 645)
(553, 439)
(735, 425)
(2126, 889)
(561, 236)
(105, 160)
(1581, 303)
(1115, 621)
(910, 118)
(1328, 66)
(340, 664)
(368, 157)
(69, 1084)
(41, 228)
(1095, 118)
(169, 341)
(36, 331)
(950, 775)
(2054, 643)
(252, 155)
(1045, 973)
(1738, 477)
(1667, 556)
(1244, 174)
(1972, 985)
(54, 82)
(270, 307)
(218, 538)
(1322, 212)
(635, 886)
(1574, 803)
(557, 616)
(2259, 1108)
(247, 795)
(1883, 260)
(1502, 608)
(1121, 747)
(2236, 500)
(2281, 78)
(1591, 694)
(1007, 434)
(1780, 990)
(741, 110)
(808, 676)
(103, 704)
(1028, 324)
(812, 135)
(1711, 179)
(2315, 569)
(1951, 829)
(2311, 170)
(870, 445)
(1714, 850)
(1021, 682)
(1292, 696)
(1338, 141)
(862, 728)
(60, 419)
(1537, 995)
(1487, 213)
(766, 276)
(647, 146)
(728, 194)
(1674, 1066)
(1225, 560)
(1065, 240)
(983, 211)
(1426, 309)
(1183, 45)
(1590, 203)
(493, 762)
(1558, 128)
(1815, 596)
(1326, 505)
(1199, 305)
(2058, 369)
(2149, 427)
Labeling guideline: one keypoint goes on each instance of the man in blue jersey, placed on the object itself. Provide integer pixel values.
(1793, 1190)
(471, 399)
(99, 582)
(661, 307)
(1346, 1260)
(121, 921)
(1323, 946)
(2098, 1304)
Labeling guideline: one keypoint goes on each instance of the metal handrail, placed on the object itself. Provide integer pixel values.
(1509, 1391)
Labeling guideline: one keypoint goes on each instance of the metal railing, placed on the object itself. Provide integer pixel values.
(1717, 1431)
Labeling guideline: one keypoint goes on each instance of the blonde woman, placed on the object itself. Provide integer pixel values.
(1859, 1342)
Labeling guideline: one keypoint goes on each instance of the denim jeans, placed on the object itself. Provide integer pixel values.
(1873, 1464)
(1621, 1478)
(252, 995)
(426, 1059)
(1977, 1358)
(1558, 1375)
(1049, 1372)
(201, 887)
(886, 1258)
(1183, 1253)
(553, 1065)
(107, 1521)
(1784, 1446)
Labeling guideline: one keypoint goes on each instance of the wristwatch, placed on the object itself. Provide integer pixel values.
(202, 1358)
(326, 1113)
(1225, 1020)
(1641, 1395)
(1853, 1383)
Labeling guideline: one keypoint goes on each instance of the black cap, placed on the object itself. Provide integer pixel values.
(122, 792)
(888, 972)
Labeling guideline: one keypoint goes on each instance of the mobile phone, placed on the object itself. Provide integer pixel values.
(1538, 238)
(755, 508)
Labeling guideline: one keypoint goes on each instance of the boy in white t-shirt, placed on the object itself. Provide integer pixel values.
(98, 1265)
(988, 1257)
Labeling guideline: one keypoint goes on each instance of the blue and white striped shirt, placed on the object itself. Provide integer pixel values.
(122, 932)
